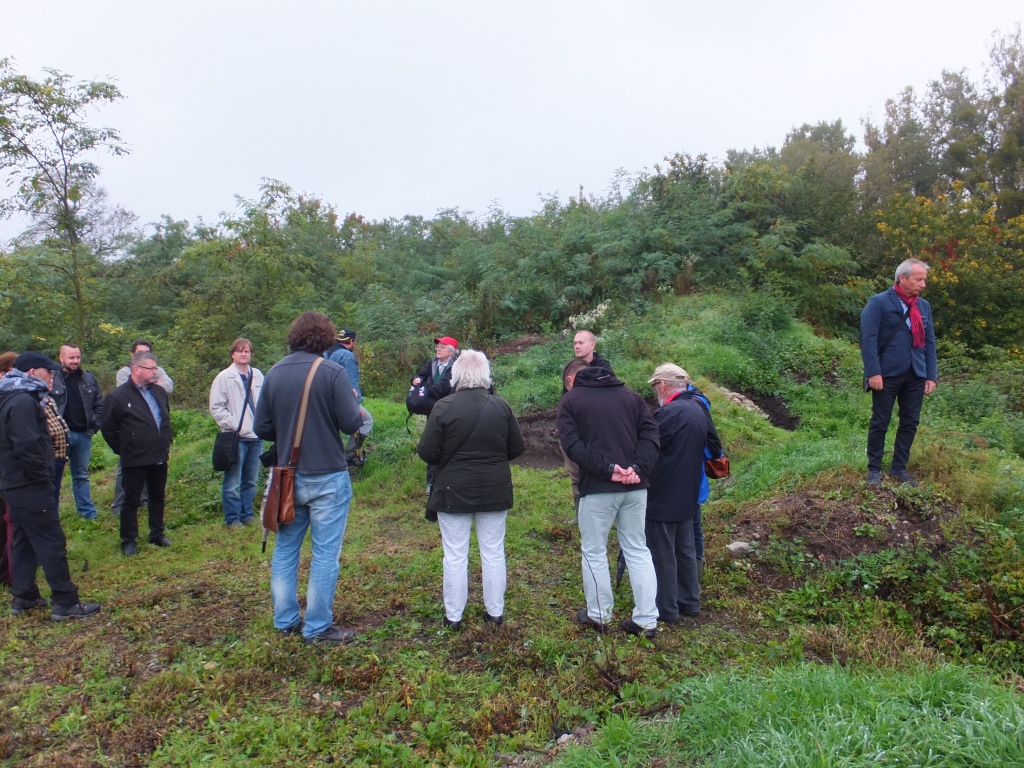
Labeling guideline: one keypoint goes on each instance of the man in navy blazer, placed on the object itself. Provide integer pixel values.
(897, 343)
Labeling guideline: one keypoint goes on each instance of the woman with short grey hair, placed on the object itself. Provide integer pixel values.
(471, 436)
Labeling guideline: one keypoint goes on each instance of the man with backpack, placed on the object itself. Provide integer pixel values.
(432, 382)
(345, 356)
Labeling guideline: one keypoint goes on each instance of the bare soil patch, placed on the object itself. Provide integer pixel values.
(521, 344)
(830, 526)
(777, 411)
(540, 433)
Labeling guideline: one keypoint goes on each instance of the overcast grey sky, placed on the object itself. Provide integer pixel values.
(389, 108)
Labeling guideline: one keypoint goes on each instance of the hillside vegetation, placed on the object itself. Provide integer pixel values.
(867, 627)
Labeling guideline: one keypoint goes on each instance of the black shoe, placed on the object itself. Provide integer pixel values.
(160, 541)
(874, 478)
(130, 548)
(630, 627)
(690, 614)
(333, 635)
(454, 626)
(670, 620)
(902, 476)
(488, 619)
(583, 618)
(293, 630)
(20, 606)
(77, 611)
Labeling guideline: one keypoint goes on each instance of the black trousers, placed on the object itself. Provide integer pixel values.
(6, 532)
(38, 540)
(674, 551)
(908, 391)
(152, 477)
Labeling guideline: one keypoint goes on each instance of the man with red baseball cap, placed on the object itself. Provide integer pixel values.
(435, 377)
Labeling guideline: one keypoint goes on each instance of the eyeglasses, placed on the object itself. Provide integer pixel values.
(147, 367)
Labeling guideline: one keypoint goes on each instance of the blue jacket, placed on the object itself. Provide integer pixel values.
(347, 360)
(883, 313)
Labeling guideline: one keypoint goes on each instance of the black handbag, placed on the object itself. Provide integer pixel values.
(225, 445)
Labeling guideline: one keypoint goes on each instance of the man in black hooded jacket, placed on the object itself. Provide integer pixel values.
(26, 479)
(607, 429)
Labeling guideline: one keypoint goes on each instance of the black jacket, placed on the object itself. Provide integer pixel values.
(602, 422)
(685, 429)
(129, 429)
(436, 387)
(26, 451)
(477, 478)
(92, 398)
(597, 362)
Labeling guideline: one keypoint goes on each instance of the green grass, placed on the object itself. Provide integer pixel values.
(810, 715)
(183, 667)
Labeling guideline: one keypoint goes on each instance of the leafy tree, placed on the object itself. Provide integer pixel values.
(900, 156)
(1007, 163)
(977, 263)
(821, 157)
(46, 143)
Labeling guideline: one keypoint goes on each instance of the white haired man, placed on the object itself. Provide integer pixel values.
(897, 344)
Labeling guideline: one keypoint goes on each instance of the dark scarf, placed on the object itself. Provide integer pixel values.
(916, 323)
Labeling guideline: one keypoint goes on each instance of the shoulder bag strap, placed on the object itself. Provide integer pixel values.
(442, 464)
(901, 324)
(245, 402)
(301, 423)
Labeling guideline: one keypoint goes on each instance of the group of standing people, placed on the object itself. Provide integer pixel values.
(49, 413)
(642, 473)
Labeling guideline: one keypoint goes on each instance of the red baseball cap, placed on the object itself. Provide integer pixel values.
(447, 340)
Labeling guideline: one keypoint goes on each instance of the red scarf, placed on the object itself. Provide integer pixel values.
(916, 323)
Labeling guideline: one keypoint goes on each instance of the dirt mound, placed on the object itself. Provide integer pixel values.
(800, 532)
(521, 344)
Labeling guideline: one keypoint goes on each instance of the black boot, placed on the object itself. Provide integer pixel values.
(354, 454)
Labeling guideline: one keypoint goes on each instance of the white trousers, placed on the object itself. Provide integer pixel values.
(490, 534)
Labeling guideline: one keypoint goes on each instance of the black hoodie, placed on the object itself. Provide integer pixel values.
(602, 422)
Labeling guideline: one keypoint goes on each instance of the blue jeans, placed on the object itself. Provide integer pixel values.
(79, 453)
(321, 505)
(239, 488)
(628, 511)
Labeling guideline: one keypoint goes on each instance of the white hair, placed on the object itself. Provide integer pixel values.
(907, 265)
(471, 370)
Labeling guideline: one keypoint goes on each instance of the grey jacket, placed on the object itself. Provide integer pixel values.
(332, 410)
